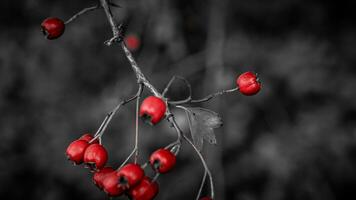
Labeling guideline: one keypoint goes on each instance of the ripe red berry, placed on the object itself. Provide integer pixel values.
(205, 198)
(52, 28)
(88, 137)
(162, 160)
(145, 190)
(110, 185)
(99, 176)
(132, 42)
(153, 109)
(248, 83)
(95, 156)
(75, 151)
(130, 175)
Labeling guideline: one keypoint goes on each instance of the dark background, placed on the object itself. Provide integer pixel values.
(295, 140)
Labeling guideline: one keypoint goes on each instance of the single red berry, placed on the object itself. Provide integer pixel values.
(205, 198)
(99, 176)
(132, 42)
(145, 190)
(130, 175)
(153, 109)
(162, 160)
(52, 28)
(95, 156)
(75, 151)
(88, 137)
(248, 83)
(110, 185)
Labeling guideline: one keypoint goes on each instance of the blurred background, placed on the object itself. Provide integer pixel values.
(295, 140)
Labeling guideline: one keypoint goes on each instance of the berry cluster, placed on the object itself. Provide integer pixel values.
(130, 179)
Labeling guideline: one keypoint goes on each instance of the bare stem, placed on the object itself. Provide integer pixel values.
(85, 10)
(136, 124)
(109, 116)
(114, 26)
(204, 164)
(140, 76)
(166, 89)
(201, 185)
(207, 98)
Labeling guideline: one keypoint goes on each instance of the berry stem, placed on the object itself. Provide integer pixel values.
(85, 10)
(109, 116)
(201, 185)
(204, 164)
(136, 124)
(207, 98)
(166, 89)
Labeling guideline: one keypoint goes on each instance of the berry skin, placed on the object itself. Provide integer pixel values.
(52, 28)
(100, 175)
(248, 83)
(88, 137)
(205, 198)
(162, 160)
(130, 175)
(132, 42)
(145, 190)
(153, 109)
(110, 185)
(75, 151)
(95, 156)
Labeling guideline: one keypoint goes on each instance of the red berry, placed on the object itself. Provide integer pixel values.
(205, 198)
(130, 175)
(162, 160)
(52, 28)
(99, 176)
(95, 156)
(153, 109)
(75, 151)
(88, 137)
(110, 185)
(248, 83)
(132, 41)
(145, 190)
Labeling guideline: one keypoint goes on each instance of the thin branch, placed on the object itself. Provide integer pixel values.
(114, 26)
(140, 76)
(166, 89)
(178, 142)
(204, 164)
(201, 185)
(136, 124)
(85, 10)
(207, 98)
(109, 116)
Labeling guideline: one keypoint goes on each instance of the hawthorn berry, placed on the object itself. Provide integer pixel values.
(75, 151)
(88, 137)
(132, 42)
(162, 160)
(52, 28)
(248, 83)
(110, 185)
(205, 198)
(99, 176)
(130, 175)
(145, 190)
(153, 109)
(95, 156)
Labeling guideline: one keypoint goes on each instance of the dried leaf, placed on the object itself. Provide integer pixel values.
(202, 123)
